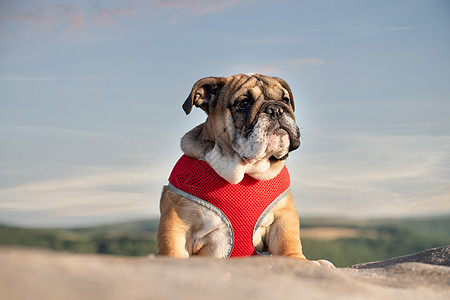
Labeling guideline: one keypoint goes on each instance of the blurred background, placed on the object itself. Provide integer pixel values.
(91, 118)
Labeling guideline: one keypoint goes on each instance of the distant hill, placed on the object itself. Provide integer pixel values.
(374, 239)
(342, 241)
(131, 239)
(131, 227)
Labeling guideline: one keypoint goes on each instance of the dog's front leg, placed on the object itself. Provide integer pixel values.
(172, 230)
(283, 237)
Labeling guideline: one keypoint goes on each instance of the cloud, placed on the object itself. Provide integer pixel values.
(391, 29)
(99, 193)
(279, 67)
(267, 69)
(76, 17)
(49, 79)
(44, 16)
(77, 21)
(305, 62)
(435, 201)
(197, 7)
(110, 17)
(72, 17)
(366, 174)
(60, 175)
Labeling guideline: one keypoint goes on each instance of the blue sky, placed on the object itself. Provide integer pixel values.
(91, 94)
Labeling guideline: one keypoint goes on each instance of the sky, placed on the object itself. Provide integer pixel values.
(91, 94)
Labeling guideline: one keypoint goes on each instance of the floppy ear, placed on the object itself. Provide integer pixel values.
(288, 88)
(203, 93)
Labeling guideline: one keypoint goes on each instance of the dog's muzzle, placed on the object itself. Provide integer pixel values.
(282, 119)
(274, 111)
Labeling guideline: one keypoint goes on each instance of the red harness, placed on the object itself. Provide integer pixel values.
(242, 206)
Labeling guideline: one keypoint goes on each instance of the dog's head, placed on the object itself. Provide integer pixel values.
(250, 126)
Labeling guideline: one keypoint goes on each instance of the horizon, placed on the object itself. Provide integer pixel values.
(91, 95)
(352, 220)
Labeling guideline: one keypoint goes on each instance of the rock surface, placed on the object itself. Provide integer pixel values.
(38, 274)
(436, 256)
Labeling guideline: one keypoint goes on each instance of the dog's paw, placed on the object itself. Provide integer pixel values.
(323, 263)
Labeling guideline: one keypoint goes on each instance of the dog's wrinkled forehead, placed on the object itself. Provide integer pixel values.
(258, 86)
(209, 91)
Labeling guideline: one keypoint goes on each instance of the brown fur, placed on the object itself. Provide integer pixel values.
(187, 228)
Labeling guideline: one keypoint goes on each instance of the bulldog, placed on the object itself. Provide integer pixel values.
(229, 194)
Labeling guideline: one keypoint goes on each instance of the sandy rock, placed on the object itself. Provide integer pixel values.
(37, 274)
(436, 256)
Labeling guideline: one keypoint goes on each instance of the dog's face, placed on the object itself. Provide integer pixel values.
(263, 116)
(250, 123)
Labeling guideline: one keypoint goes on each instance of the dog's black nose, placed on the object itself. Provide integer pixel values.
(274, 111)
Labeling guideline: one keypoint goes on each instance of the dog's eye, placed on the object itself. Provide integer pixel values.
(286, 100)
(243, 105)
